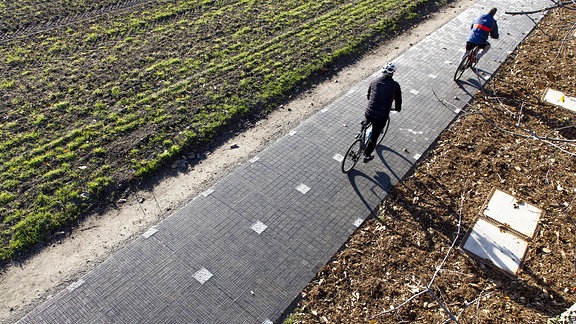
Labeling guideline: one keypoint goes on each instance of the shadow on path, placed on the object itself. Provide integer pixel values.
(470, 82)
(380, 150)
(381, 183)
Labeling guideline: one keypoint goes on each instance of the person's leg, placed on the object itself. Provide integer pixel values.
(484, 49)
(377, 127)
(469, 47)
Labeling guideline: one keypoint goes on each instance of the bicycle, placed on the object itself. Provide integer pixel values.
(356, 150)
(468, 61)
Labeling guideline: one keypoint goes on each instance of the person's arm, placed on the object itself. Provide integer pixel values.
(494, 31)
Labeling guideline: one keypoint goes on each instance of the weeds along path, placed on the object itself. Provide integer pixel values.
(110, 94)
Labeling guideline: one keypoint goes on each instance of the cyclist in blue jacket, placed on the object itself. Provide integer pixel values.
(483, 27)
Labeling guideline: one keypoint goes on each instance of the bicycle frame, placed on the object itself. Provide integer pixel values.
(357, 148)
(466, 62)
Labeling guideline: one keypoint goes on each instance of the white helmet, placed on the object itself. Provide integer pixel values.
(389, 68)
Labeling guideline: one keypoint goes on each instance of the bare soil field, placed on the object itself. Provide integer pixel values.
(506, 139)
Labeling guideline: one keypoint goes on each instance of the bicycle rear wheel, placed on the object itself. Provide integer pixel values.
(384, 131)
(461, 67)
(352, 156)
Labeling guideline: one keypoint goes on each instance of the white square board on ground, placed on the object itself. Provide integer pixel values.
(558, 98)
(507, 210)
(503, 249)
(502, 233)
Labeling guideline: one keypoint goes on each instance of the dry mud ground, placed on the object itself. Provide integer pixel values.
(506, 139)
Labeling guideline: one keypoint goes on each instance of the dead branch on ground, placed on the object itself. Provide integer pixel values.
(564, 4)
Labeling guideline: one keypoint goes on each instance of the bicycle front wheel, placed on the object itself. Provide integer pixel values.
(384, 131)
(352, 156)
(461, 68)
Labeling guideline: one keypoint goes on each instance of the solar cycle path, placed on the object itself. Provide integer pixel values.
(242, 251)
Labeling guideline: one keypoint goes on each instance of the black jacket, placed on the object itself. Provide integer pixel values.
(382, 91)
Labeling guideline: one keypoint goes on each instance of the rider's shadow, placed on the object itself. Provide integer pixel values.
(476, 80)
(379, 184)
(381, 150)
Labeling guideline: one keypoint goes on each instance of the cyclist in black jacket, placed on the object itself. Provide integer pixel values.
(382, 91)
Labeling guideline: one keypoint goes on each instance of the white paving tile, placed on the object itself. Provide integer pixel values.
(75, 285)
(208, 192)
(202, 275)
(150, 232)
(259, 227)
(303, 188)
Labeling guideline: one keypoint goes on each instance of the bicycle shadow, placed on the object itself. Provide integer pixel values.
(382, 181)
(378, 185)
(468, 83)
(478, 71)
(476, 80)
(381, 149)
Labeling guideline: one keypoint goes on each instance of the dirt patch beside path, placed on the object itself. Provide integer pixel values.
(27, 284)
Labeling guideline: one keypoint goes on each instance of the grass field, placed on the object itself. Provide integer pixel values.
(97, 95)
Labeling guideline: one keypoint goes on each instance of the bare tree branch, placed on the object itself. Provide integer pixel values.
(428, 289)
(565, 211)
(564, 4)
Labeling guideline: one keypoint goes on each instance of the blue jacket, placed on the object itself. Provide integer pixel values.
(481, 28)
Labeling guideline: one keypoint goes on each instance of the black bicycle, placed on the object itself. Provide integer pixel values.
(468, 61)
(356, 150)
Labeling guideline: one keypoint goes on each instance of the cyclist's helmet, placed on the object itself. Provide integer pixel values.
(389, 68)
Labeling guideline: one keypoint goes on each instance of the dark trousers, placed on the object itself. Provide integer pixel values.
(377, 127)
(470, 46)
(484, 49)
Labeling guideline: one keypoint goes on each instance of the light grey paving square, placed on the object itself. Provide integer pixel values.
(303, 188)
(202, 275)
(150, 232)
(207, 192)
(259, 227)
(75, 285)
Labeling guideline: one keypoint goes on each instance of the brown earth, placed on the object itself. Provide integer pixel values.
(506, 139)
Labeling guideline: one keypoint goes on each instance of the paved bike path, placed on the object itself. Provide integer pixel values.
(242, 251)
